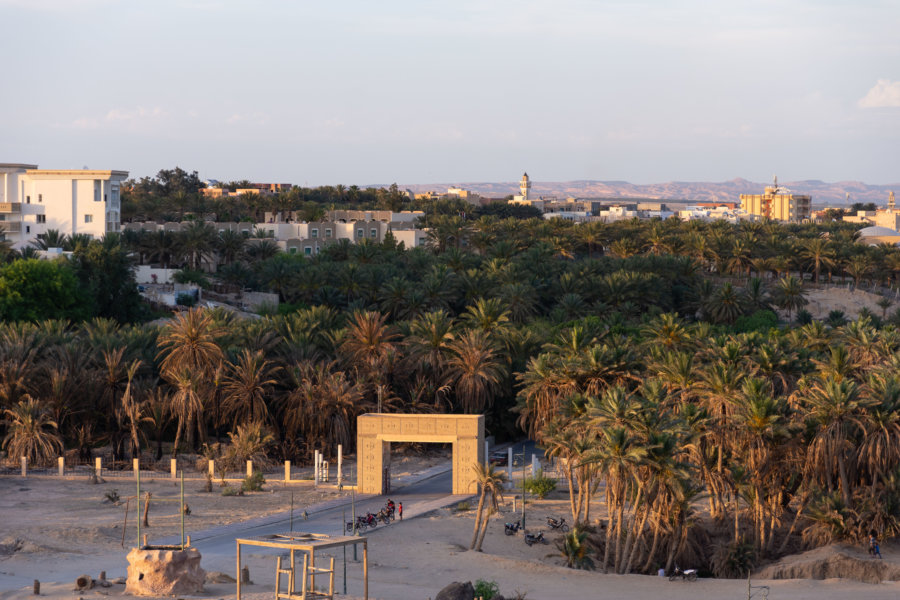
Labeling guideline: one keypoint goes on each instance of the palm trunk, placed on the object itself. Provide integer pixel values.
(845, 480)
(478, 516)
(653, 545)
(484, 527)
(639, 534)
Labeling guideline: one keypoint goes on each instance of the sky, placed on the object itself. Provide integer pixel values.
(419, 91)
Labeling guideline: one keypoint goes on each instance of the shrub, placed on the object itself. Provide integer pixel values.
(540, 486)
(486, 589)
(575, 549)
(463, 506)
(230, 491)
(111, 496)
(253, 483)
(191, 276)
(733, 560)
(761, 320)
(804, 317)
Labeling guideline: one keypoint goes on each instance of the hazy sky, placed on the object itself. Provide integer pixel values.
(419, 91)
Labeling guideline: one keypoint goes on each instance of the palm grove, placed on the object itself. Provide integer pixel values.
(645, 356)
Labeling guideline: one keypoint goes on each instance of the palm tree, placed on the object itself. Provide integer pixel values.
(30, 433)
(246, 386)
(838, 413)
(186, 405)
(725, 305)
(188, 342)
(817, 253)
(490, 482)
(789, 294)
(475, 371)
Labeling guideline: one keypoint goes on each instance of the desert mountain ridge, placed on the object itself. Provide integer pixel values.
(822, 192)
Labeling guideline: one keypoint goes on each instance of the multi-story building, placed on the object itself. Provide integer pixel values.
(777, 203)
(34, 200)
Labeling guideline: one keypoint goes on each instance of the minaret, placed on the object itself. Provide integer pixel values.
(525, 186)
(891, 200)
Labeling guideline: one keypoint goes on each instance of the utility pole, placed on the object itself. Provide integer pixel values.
(523, 485)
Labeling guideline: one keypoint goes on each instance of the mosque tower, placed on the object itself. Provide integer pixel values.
(525, 187)
(891, 200)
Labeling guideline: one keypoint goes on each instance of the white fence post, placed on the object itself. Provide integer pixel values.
(325, 471)
(98, 465)
(136, 466)
(249, 468)
(509, 459)
(61, 466)
(340, 464)
(534, 465)
(487, 453)
(287, 471)
(316, 467)
(212, 467)
(173, 467)
(24, 462)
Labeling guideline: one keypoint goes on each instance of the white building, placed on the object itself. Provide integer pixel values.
(34, 200)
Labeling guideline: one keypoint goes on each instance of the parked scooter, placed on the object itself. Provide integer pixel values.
(560, 524)
(535, 538)
(684, 575)
(512, 528)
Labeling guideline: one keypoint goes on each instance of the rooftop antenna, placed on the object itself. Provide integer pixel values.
(891, 200)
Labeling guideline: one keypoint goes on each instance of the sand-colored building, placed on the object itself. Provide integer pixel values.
(777, 203)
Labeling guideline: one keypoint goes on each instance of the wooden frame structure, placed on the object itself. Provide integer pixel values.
(308, 543)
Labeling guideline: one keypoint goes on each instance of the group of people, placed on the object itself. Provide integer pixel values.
(391, 508)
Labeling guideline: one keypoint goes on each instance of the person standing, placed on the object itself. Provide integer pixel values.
(400, 510)
(874, 549)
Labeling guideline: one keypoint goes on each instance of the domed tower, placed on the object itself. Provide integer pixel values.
(525, 187)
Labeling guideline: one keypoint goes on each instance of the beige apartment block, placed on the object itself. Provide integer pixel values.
(375, 432)
(777, 204)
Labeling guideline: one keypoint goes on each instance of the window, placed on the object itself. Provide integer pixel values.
(373, 233)
(88, 218)
(360, 233)
(28, 229)
(294, 250)
(104, 197)
(328, 233)
(41, 218)
(40, 197)
(314, 233)
(307, 251)
(27, 199)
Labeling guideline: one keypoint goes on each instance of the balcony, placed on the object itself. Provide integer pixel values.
(11, 226)
(10, 207)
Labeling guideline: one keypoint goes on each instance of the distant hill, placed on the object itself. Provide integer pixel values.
(822, 192)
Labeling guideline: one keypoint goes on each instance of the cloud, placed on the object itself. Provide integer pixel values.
(886, 93)
(129, 119)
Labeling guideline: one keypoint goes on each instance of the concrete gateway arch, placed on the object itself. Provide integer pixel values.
(375, 432)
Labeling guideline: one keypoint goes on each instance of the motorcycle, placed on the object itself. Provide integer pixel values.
(535, 538)
(512, 528)
(684, 574)
(560, 524)
(385, 516)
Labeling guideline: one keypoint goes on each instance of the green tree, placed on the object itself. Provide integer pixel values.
(34, 289)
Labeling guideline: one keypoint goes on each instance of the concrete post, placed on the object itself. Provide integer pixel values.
(249, 468)
(487, 453)
(340, 467)
(212, 467)
(325, 471)
(316, 466)
(534, 465)
(287, 471)
(173, 467)
(24, 462)
(509, 460)
(98, 465)
(136, 466)
(61, 466)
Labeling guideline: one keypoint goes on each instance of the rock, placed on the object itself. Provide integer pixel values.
(118, 581)
(457, 591)
(218, 577)
(164, 572)
(83, 582)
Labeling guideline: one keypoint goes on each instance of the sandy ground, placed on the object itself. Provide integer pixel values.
(823, 301)
(409, 560)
